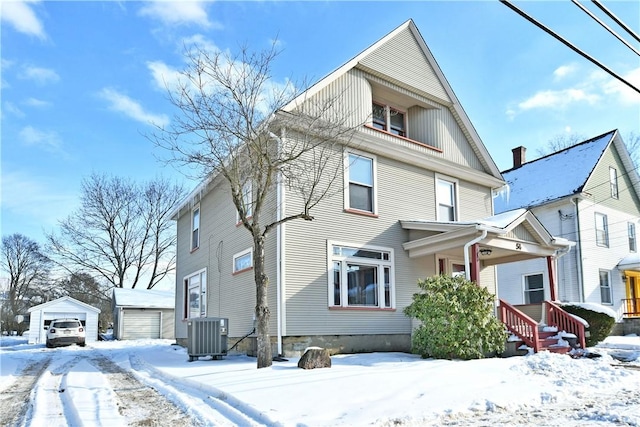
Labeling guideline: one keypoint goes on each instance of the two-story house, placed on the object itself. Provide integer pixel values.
(414, 199)
(588, 193)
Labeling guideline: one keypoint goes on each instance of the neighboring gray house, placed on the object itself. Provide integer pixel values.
(426, 185)
(588, 193)
(65, 307)
(143, 313)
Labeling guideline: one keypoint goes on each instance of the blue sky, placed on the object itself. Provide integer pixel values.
(82, 80)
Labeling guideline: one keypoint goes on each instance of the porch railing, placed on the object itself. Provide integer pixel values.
(631, 307)
(520, 324)
(562, 320)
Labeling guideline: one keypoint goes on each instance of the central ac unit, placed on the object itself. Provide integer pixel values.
(207, 336)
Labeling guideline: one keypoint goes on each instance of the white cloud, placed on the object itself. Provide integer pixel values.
(132, 108)
(626, 94)
(564, 71)
(10, 107)
(22, 18)
(47, 140)
(557, 99)
(37, 103)
(164, 77)
(177, 13)
(39, 75)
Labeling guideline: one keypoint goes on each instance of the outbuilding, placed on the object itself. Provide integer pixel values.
(143, 313)
(65, 307)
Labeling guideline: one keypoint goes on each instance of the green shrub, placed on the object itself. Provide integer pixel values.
(600, 324)
(457, 320)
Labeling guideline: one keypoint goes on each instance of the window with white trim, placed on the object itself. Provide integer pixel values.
(389, 119)
(195, 228)
(631, 227)
(360, 276)
(446, 199)
(243, 261)
(360, 187)
(195, 287)
(247, 200)
(533, 288)
(613, 181)
(602, 230)
(605, 287)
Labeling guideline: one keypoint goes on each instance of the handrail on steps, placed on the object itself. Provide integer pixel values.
(562, 320)
(520, 324)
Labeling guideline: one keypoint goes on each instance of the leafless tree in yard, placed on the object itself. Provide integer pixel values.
(122, 232)
(231, 123)
(560, 142)
(28, 268)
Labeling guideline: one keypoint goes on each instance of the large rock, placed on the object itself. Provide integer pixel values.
(315, 357)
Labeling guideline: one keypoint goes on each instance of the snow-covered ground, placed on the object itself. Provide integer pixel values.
(151, 382)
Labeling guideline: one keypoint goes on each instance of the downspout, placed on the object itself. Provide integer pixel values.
(467, 268)
(279, 253)
(578, 256)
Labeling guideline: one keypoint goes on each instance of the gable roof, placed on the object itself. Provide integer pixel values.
(558, 175)
(143, 298)
(62, 300)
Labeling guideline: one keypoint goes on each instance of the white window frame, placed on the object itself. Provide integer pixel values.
(347, 181)
(456, 190)
(526, 292)
(240, 255)
(631, 232)
(605, 288)
(195, 228)
(387, 119)
(380, 264)
(247, 201)
(613, 182)
(602, 229)
(190, 282)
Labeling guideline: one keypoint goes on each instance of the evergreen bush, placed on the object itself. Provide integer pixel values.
(600, 324)
(457, 320)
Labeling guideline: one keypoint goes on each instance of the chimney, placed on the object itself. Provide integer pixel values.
(519, 156)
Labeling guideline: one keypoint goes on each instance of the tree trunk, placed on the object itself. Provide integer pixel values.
(265, 356)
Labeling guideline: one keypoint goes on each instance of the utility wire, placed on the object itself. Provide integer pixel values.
(568, 44)
(616, 19)
(605, 26)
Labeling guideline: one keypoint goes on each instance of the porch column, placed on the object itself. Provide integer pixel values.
(551, 263)
(475, 263)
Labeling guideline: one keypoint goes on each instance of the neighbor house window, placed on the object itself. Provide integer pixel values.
(360, 276)
(602, 230)
(533, 289)
(389, 119)
(195, 287)
(243, 261)
(613, 181)
(605, 287)
(247, 201)
(195, 228)
(632, 236)
(446, 199)
(360, 173)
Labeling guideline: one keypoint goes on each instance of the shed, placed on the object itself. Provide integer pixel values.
(143, 313)
(65, 307)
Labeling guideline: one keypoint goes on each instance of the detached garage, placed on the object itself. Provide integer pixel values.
(65, 307)
(143, 313)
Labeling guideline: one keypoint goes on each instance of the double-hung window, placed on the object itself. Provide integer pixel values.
(195, 228)
(632, 236)
(360, 276)
(389, 119)
(247, 201)
(446, 199)
(533, 289)
(361, 171)
(195, 287)
(243, 261)
(613, 181)
(605, 287)
(602, 230)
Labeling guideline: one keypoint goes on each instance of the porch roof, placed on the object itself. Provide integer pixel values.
(508, 237)
(630, 262)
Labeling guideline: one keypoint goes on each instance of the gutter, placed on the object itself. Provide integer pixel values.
(578, 256)
(467, 269)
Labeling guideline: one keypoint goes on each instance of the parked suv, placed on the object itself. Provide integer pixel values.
(65, 332)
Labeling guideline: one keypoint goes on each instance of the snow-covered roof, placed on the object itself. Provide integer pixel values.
(143, 298)
(552, 177)
(64, 300)
(630, 262)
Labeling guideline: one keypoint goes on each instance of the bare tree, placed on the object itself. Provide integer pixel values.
(83, 287)
(28, 269)
(633, 146)
(122, 232)
(231, 123)
(560, 142)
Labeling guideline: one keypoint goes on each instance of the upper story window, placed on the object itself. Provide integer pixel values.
(613, 181)
(195, 228)
(360, 173)
(360, 276)
(631, 227)
(194, 295)
(446, 199)
(389, 119)
(243, 261)
(247, 200)
(602, 230)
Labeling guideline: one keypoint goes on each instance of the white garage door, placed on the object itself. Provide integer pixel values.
(141, 324)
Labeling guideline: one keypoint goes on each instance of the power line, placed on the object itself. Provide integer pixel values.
(616, 19)
(568, 44)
